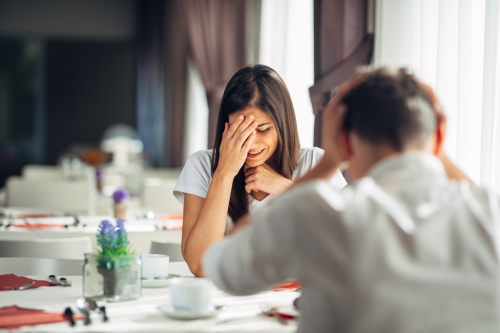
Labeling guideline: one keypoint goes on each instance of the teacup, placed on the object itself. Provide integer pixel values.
(154, 266)
(192, 294)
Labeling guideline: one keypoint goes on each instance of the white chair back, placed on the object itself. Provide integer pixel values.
(135, 180)
(158, 196)
(41, 267)
(75, 196)
(55, 248)
(52, 172)
(173, 250)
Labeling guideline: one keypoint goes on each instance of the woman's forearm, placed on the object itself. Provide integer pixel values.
(210, 224)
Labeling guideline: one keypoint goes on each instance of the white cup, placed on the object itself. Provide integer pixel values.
(192, 294)
(154, 266)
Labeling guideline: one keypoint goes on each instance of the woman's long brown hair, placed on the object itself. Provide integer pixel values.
(261, 87)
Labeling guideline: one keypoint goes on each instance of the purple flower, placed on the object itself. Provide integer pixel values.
(105, 227)
(120, 195)
(112, 239)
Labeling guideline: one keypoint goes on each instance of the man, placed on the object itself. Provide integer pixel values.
(402, 249)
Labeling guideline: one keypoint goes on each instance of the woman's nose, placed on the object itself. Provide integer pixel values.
(255, 142)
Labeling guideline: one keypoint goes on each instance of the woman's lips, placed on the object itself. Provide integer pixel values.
(255, 155)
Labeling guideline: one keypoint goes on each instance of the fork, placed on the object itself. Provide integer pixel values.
(268, 311)
(24, 286)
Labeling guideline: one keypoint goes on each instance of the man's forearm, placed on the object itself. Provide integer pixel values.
(453, 171)
(323, 170)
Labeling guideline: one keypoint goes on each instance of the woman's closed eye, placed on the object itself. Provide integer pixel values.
(264, 130)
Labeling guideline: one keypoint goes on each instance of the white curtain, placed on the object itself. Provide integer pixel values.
(287, 46)
(454, 46)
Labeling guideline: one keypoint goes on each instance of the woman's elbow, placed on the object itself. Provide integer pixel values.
(194, 263)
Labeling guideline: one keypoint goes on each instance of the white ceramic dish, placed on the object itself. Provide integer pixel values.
(160, 283)
(170, 311)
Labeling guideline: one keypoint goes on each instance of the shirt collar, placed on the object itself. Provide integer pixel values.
(408, 163)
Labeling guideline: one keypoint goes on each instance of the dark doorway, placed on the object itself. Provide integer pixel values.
(91, 85)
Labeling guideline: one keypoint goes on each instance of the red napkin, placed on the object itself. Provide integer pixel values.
(292, 285)
(12, 317)
(38, 226)
(35, 215)
(170, 217)
(17, 281)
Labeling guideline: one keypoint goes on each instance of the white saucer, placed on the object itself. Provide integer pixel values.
(168, 310)
(160, 283)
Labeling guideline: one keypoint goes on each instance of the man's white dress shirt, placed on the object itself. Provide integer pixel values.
(402, 250)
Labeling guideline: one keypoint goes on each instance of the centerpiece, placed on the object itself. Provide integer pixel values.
(119, 206)
(113, 273)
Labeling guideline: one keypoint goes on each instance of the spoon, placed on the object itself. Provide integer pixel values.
(85, 305)
(24, 286)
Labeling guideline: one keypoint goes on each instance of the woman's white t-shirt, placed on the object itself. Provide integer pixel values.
(196, 175)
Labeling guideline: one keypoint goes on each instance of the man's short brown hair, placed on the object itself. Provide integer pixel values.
(390, 107)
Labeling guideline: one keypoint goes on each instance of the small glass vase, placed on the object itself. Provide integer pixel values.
(113, 279)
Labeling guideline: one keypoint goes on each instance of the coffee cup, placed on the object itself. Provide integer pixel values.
(192, 294)
(154, 266)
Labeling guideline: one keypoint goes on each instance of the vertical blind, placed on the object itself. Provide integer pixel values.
(454, 46)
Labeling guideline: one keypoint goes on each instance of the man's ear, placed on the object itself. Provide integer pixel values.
(345, 144)
(440, 135)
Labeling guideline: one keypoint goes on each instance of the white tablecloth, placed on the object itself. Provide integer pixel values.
(242, 314)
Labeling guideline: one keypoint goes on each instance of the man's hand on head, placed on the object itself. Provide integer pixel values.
(334, 137)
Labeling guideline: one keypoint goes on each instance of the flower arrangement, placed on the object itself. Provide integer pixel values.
(119, 207)
(120, 195)
(113, 272)
(114, 243)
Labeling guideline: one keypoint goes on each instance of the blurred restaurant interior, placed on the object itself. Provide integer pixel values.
(103, 101)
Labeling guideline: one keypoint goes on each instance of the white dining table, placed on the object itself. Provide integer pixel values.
(241, 314)
(141, 231)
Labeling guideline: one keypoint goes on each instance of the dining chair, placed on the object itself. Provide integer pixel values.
(134, 180)
(53, 194)
(158, 196)
(41, 266)
(52, 172)
(55, 248)
(173, 250)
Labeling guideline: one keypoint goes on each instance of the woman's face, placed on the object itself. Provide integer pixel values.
(266, 138)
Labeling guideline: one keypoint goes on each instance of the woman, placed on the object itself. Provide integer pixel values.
(256, 156)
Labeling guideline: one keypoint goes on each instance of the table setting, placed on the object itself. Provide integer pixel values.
(25, 224)
(121, 291)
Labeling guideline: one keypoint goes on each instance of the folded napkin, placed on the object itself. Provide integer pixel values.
(290, 285)
(17, 281)
(32, 215)
(38, 226)
(12, 317)
(170, 217)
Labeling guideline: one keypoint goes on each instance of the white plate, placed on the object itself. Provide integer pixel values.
(160, 283)
(168, 310)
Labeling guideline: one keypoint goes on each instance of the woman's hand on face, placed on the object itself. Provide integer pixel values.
(236, 142)
(264, 178)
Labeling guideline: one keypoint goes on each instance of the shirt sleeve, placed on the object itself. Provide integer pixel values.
(196, 176)
(258, 256)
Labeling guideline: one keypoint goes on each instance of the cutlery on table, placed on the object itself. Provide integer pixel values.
(86, 305)
(24, 286)
(268, 311)
(68, 313)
